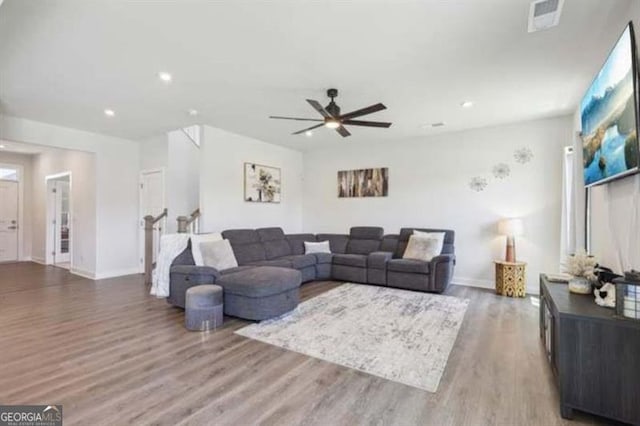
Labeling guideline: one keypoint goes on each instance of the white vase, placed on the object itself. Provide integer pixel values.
(580, 285)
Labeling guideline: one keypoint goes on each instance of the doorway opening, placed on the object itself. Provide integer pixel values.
(59, 219)
(10, 212)
(152, 202)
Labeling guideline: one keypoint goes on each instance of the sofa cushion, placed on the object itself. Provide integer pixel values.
(337, 242)
(296, 242)
(366, 233)
(389, 243)
(362, 246)
(301, 260)
(246, 245)
(260, 281)
(322, 258)
(234, 270)
(378, 259)
(408, 265)
(358, 260)
(282, 263)
(276, 249)
(270, 234)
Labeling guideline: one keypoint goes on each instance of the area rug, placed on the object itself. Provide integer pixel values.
(403, 336)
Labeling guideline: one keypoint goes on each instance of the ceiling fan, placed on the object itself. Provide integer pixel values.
(332, 118)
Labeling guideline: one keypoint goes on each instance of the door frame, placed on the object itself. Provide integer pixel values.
(49, 243)
(20, 169)
(143, 172)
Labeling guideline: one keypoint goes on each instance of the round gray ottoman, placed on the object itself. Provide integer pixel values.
(203, 307)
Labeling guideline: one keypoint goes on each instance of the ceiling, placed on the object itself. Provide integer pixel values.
(239, 61)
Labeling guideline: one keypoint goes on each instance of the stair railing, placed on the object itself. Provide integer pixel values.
(149, 227)
(189, 224)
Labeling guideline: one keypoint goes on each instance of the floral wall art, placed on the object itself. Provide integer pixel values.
(262, 184)
(501, 171)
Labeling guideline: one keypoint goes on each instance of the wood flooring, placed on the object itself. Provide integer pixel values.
(111, 354)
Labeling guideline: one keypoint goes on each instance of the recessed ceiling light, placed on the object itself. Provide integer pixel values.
(309, 133)
(2, 147)
(466, 104)
(192, 112)
(109, 112)
(164, 76)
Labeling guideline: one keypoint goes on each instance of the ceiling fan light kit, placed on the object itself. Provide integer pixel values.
(332, 119)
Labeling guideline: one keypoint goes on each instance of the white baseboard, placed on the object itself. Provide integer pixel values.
(117, 273)
(38, 260)
(490, 284)
(85, 274)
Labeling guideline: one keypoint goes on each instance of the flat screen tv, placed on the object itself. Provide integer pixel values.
(609, 114)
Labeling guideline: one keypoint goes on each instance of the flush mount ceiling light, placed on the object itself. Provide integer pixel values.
(109, 112)
(332, 124)
(165, 77)
(2, 147)
(192, 112)
(466, 104)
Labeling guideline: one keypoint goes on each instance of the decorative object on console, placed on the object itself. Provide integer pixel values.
(501, 171)
(605, 295)
(523, 155)
(511, 278)
(511, 228)
(262, 184)
(363, 183)
(478, 183)
(628, 296)
(321, 247)
(582, 268)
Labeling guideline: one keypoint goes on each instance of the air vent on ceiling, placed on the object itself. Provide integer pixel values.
(544, 14)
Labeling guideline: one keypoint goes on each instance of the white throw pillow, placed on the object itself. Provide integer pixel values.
(321, 247)
(423, 248)
(218, 254)
(438, 235)
(196, 240)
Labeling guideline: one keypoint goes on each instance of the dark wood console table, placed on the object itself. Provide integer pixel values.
(594, 355)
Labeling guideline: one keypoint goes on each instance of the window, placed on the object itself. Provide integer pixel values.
(8, 174)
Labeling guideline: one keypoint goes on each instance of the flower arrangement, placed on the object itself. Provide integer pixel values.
(582, 264)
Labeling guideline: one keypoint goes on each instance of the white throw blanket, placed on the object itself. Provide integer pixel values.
(171, 245)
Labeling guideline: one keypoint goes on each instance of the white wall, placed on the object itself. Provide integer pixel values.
(154, 153)
(117, 165)
(25, 161)
(428, 187)
(182, 178)
(83, 203)
(222, 158)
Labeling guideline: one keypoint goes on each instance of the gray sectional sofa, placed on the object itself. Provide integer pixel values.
(272, 264)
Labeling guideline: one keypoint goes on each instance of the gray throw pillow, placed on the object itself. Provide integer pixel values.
(218, 254)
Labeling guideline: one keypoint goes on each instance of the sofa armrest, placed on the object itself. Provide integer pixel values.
(197, 271)
(378, 259)
(441, 268)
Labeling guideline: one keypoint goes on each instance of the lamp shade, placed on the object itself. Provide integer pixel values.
(510, 227)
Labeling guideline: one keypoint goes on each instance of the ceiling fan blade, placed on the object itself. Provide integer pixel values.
(294, 118)
(366, 123)
(344, 132)
(316, 105)
(363, 111)
(308, 128)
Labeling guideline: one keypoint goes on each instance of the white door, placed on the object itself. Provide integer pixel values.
(8, 221)
(151, 203)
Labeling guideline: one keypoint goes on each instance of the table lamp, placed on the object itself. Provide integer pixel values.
(510, 228)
